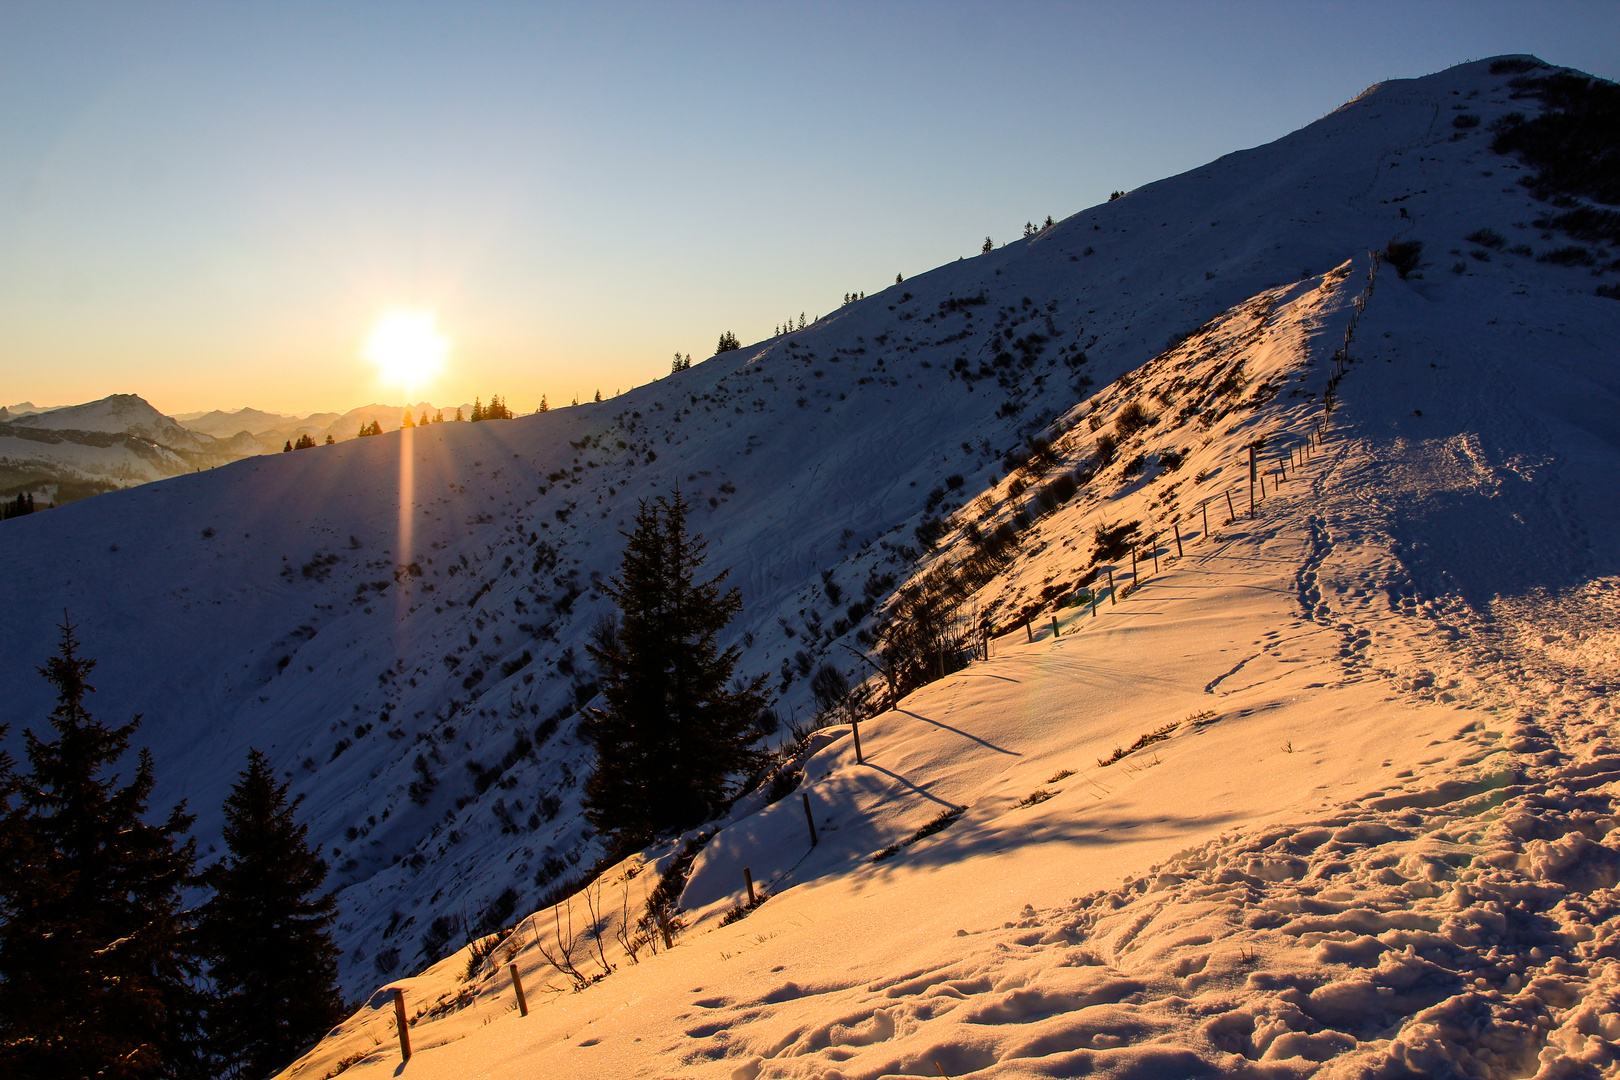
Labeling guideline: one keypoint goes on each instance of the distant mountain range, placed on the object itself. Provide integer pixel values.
(64, 453)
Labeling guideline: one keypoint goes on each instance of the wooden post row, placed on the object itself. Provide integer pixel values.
(517, 988)
(403, 1025)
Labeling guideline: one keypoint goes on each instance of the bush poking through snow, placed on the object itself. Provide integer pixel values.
(1133, 418)
(1039, 795)
(741, 911)
(1107, 446)
(1113, 541)
(1158, 735)
(1403, 255)
(939, 824)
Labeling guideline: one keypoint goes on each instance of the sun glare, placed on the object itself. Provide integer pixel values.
(407, 348)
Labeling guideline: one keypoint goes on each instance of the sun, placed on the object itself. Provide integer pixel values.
(407, 348)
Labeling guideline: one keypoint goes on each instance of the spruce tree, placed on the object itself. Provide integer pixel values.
(266, 932)
(96, 962)
(673, 728)
(543, 406)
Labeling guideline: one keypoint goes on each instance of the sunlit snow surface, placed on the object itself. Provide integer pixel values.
(1376, 843)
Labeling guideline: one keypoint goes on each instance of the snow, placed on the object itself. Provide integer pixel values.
(1378, 839)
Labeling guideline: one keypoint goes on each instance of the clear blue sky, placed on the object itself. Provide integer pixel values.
(211, 204)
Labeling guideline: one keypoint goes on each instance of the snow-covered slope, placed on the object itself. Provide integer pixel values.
(407, 610)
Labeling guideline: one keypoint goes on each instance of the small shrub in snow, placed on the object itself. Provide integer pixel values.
(1488, 238)
(1403, 255)
(1113, 541)
(1131, 419)
(939, 824)
(1158, 735)
(1107, 445)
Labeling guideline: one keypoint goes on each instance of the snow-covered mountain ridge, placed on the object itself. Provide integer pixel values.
(433, 586)
(121, 440)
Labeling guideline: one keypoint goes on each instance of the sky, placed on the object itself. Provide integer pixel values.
(215, 205)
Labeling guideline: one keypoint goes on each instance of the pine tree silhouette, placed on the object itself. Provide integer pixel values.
(266, 932)
(673, 728)
(96, 970)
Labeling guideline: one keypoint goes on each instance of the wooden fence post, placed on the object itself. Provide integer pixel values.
(1229, 508)
(1179, 553)
(1054, 627)
(1203, 504)
(1133, 562)
(1113, 594)
(517, 988)
(1155, 542)
(809, 818)
(855, 726)
(1028, 632)
(663, 925)
(403, 1025)
(1093, 603)
(1251, 480)
(748, 879)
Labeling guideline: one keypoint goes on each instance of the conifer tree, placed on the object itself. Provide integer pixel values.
(288, 448)
(543, 406)
(266, 932)
(478, 410)
(989, 246)
(423, 422)
(329, 440)
(96, 966)
(599, 395)
(407, 422)
(438, 417)
(673, 728)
